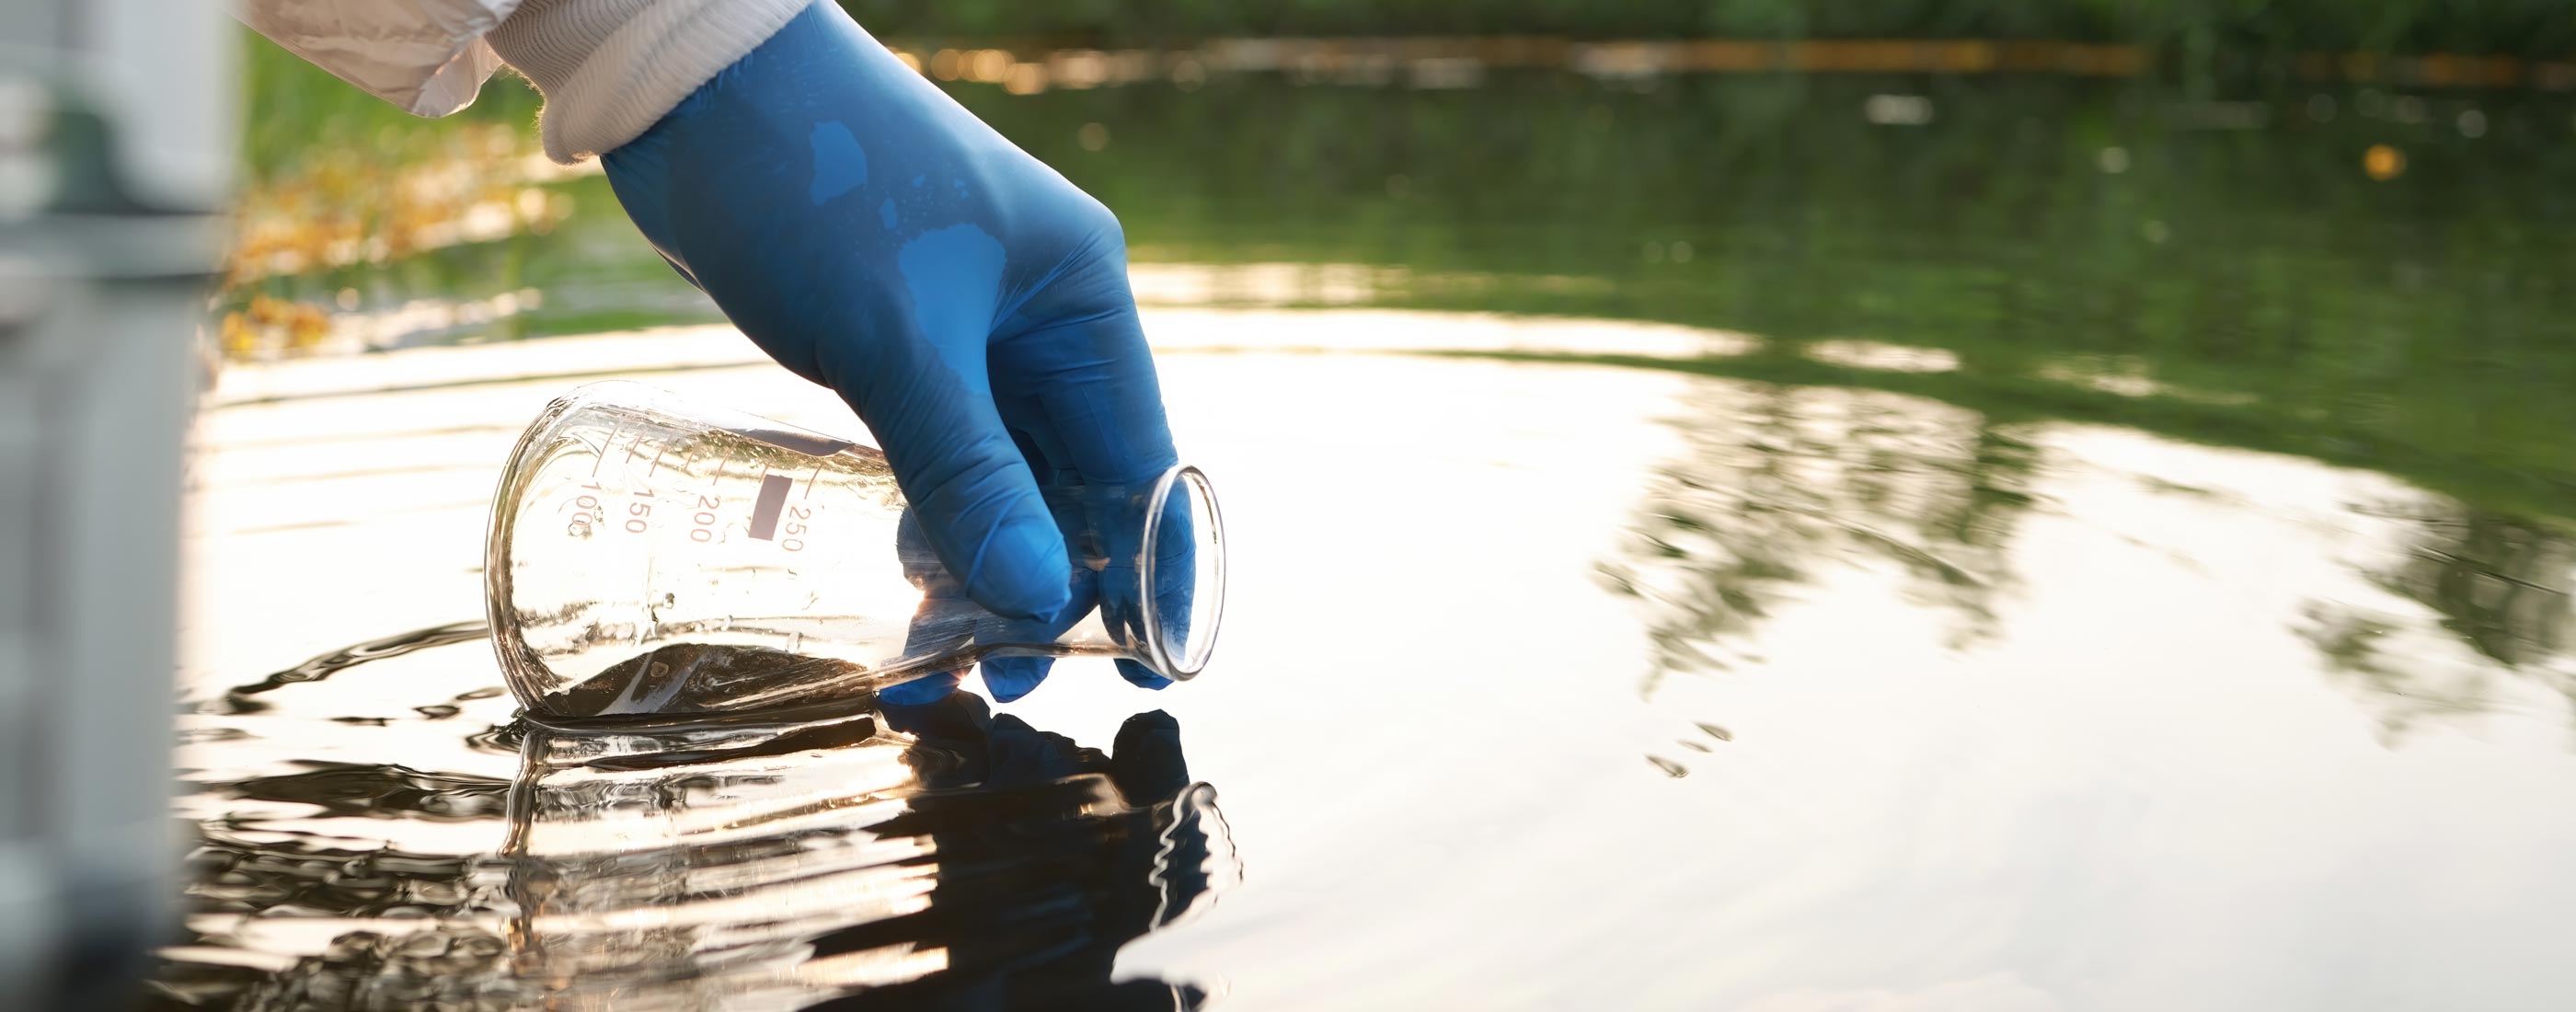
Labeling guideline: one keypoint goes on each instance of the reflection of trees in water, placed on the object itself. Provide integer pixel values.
(1780, 483)
(2498, 584)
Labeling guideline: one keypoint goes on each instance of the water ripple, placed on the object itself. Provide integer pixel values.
(923, 856)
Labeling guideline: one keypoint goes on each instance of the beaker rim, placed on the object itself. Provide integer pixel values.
(1183, 661)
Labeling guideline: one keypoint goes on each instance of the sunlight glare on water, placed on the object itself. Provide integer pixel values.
(1733, 692)
(1700, 537)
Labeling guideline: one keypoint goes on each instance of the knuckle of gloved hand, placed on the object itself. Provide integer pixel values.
(1093, 226)
(965, 474)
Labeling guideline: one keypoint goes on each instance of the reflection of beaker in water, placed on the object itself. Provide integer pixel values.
(647, 555)
(770, 866)
(699, 862)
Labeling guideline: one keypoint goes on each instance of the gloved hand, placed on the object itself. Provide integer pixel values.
(967, 301)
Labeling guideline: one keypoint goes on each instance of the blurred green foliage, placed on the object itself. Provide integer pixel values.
(2272, 293)
(2532, 27)
(294, 112)
(2206, 263)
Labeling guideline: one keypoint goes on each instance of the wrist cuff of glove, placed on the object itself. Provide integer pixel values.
(610, 69)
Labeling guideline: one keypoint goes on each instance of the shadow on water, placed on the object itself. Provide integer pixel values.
(935, 856)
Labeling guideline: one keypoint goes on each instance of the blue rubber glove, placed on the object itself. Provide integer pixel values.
(967, 301)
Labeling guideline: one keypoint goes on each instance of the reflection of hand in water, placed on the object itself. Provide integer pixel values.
(1039, 884)
(1103, 531)
(962, 860)
(968, 862)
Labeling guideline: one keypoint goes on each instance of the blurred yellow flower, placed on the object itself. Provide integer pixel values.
(2383, 163)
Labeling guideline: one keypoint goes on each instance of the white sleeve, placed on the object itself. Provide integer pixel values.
(426, 56)
(609, 68)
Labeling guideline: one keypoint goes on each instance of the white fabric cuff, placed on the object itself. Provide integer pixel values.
(610, 69)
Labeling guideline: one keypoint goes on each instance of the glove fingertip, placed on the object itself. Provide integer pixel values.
(1023, 571)
(1009, 678)
(1141, 676)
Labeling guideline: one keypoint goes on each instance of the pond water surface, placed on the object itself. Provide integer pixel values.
(1920, 567)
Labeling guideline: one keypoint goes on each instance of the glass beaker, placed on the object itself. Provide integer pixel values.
(648, 555)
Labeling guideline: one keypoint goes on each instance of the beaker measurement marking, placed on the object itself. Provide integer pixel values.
(772, 501)
(812, 480)
(794, 544)
(579, 525)
(592, 510)
(703, 522)
(605, 445)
